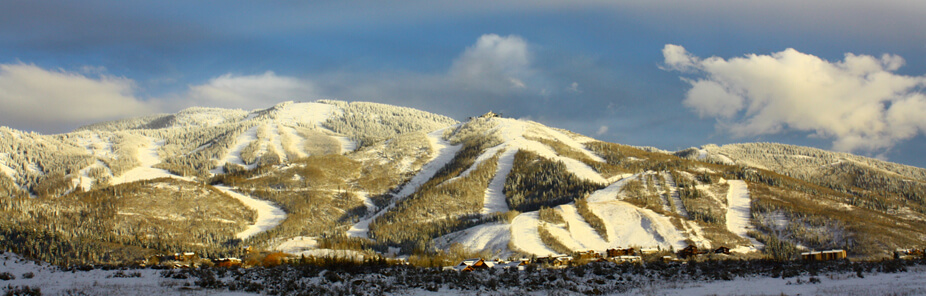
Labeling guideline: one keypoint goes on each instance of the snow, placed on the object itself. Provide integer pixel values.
(912, 282)
(297, 244)
(526, 238)
(581, 232)
(53, 281)
(489, 237)
(347, 145)
(494, 200)
(629, 225)
(307, 114)
(147, 157)
(268, 214)
(295, 141)
(329, 253)
(314, 115)
(234, 154)
(738, 211)
(610, 193)
(5, 169)
(85, 182)
(673, 194)
(444, 153)
(276, 141)
(513, 133)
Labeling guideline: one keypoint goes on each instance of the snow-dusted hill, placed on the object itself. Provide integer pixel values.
(366, 177)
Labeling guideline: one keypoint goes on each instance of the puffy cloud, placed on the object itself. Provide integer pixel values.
(602, 130)
(249, 91)
(55, 101)
(494, 62)
(859, 101)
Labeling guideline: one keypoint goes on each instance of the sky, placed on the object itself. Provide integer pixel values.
(842, 75)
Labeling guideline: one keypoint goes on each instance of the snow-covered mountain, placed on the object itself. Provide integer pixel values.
(331, 176)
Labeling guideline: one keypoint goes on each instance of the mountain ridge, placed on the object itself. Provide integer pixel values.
(370, 177)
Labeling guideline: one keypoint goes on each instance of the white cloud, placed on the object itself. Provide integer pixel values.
(602, 130)
(574, 87)
(858, 102)
(250, 91)
(55, 101)
(493, 60)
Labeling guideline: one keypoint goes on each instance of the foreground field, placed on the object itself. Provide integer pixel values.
(326, 277)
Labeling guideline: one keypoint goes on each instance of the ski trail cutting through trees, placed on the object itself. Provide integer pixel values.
(445, 154)
(674, 195)
(738, 210)
(147, 157)
(494, 195)
(268, 214)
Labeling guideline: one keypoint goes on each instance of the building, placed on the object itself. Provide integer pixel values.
(473, 265)
(620, 252)
(689, 251)
(824, 255)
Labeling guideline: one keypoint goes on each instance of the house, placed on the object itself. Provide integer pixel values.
(722, 250)
(227, 262)
(473, 264)
(588, 255)
(620, 252)
(562, 261)
(626, 259)
(824, 255)
(908, 254)
(689, 251)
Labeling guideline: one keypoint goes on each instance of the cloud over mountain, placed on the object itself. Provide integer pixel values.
(50, 100)
(858, 102)
(249, 91)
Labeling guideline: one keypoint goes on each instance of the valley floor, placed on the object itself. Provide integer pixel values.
(894, 278)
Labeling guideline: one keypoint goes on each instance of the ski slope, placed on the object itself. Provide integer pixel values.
(738, 211)
(581, 232)
(443, 153)
(494, 200)
(268, 214)
(526, 238)
(493, 237)
(147, 157)
(629, 225)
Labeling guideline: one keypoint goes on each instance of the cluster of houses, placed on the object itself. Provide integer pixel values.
(910, 254)
(619, 255)
(693, 251)
(628, 255)
(187, 260)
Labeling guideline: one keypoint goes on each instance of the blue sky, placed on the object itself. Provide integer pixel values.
(840, 75)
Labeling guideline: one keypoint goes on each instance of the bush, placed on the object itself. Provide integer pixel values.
(23, 291)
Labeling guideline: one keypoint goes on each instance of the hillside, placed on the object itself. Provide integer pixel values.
(325, 176)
